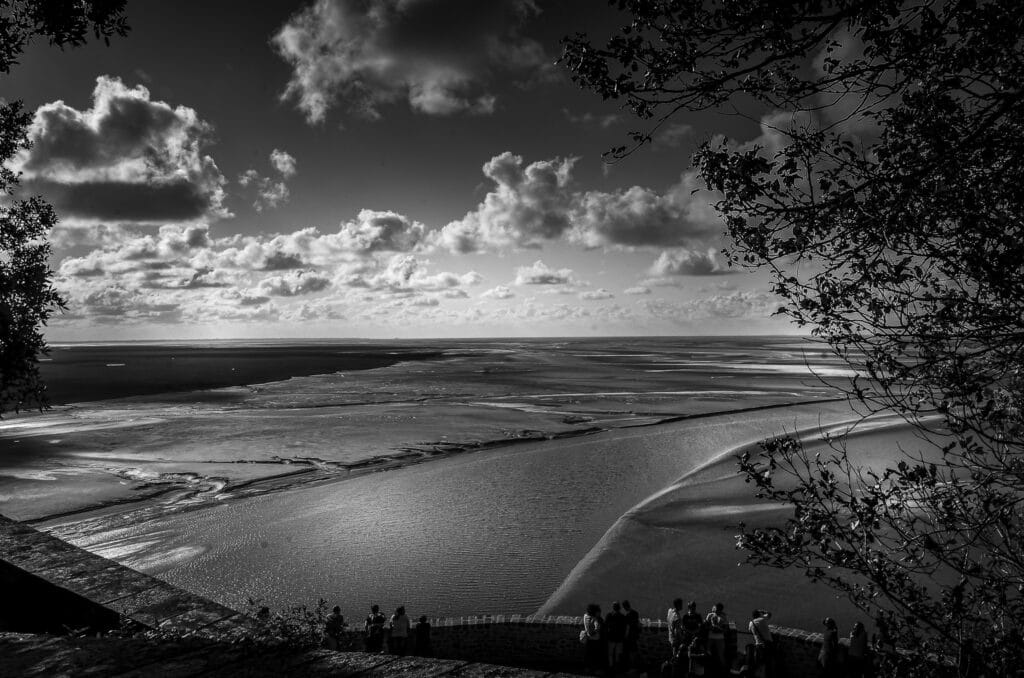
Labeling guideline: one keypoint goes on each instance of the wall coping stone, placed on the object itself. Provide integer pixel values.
(67, 655)
(139, 598)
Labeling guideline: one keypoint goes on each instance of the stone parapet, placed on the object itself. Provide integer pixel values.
(38, 655)
(51, 586)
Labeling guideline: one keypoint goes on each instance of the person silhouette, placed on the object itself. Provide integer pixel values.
(374, 629)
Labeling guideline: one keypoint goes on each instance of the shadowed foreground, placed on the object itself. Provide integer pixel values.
(35, 655)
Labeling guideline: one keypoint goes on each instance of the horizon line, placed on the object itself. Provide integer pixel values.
(196, 340)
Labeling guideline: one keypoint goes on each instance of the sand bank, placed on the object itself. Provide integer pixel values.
(681, 541)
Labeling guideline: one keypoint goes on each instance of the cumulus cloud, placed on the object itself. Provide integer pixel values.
(539, 273)
(499, 292)
(68, 234)
(293, 284)
(181, 273)
(534, 203)
(271, 192)
(677, 262)
(126, 158)
(637, 290)
(284, 163)
(115, 304)
(317, 310)
(593, 295)
(528, 205)
(683, 215)
(371, 232)
(438, 55)
(163, 251)
(407, 275)
(251, 299)
(374, 231)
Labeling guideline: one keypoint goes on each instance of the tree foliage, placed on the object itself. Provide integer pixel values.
(889, 208)
(27, 295)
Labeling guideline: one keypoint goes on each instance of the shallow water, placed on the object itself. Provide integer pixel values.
(493, 532)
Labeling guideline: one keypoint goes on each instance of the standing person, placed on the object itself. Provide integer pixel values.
(828, 656)
(374, 629)
(632, 642)
(615, 634)
(399, 631)
(333, 628)
(718, 624)
(691, 623)
(423, 647)
(764, 642)
(593, 654)
(675, 625)
(857, 655)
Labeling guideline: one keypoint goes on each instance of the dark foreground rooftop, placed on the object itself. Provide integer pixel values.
(40, 655)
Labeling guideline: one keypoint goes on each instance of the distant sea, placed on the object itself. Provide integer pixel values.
(81, 372)
(90, 371)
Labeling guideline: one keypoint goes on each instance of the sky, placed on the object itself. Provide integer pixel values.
(368, 168)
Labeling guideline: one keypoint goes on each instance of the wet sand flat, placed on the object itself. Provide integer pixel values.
(493, 532)
(385, 405)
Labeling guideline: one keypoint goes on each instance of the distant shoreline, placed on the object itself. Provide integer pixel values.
(89, 373)
(263, 341)
(93, 371)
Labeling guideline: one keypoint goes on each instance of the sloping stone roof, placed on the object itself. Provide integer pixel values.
(35, 656)
(139, 598)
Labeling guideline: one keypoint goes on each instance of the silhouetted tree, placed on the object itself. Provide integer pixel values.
(27, 295)
(886, 196)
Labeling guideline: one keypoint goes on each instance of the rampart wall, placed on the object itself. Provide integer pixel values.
(50, 586)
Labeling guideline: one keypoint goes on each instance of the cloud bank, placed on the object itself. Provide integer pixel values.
(438, 55)
(126, 158)
(533, 203)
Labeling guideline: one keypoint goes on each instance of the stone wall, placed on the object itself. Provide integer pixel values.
(552, 643)
(34, 605)
(50, 586)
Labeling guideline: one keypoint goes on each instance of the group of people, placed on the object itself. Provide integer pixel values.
(610, 642)
(859, 653)
(380, 631)
(699, 644)
(396, 633)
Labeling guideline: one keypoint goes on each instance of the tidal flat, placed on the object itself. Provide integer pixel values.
(465, 477)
